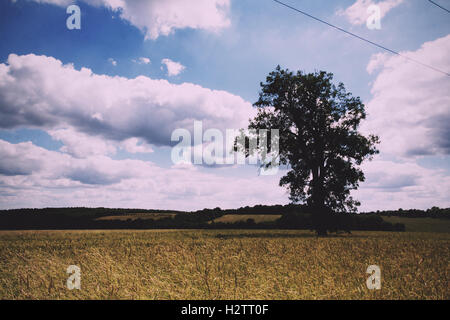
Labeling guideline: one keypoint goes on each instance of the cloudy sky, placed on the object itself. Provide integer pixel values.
(86, 115)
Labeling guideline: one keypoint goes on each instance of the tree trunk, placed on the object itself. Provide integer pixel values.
(320, 217)
(321, 231)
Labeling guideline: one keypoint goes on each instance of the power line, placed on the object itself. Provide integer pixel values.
(439, 6)
(363, 39)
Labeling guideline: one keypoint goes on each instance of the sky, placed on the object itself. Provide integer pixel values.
(86, 115)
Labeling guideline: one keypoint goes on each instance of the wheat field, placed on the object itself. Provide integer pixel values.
(225, 264)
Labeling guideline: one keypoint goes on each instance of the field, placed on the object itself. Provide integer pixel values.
(258, 218)
(225, 264)
(422, 224)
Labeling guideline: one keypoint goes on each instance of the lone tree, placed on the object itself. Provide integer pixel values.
(319, 140)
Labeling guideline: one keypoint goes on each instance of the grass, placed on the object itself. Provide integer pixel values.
(225, 264)
(421, 224)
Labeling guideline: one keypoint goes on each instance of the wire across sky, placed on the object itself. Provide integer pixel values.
(438, 5)
(363, 39)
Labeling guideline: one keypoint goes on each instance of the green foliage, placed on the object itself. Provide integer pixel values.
(318, 125)
(345, 222)
(263, 216)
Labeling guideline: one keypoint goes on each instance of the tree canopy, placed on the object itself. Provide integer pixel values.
(319, 140)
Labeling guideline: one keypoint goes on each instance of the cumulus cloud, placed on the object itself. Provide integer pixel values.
(42, 92)
(134, 145)
(156, 18)
(409, 110)
(13, 164)
(31, 176)
(357, 13)
(35, 177)
(81, 145)
(43, 164)
(410, 104)
(376, 62)
(142, 60)
(173, 68)
(393, 185)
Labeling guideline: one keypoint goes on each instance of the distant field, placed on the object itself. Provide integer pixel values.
(222, 264)
(422, 224)
(411, 224)
(135, 216)
(230, 218)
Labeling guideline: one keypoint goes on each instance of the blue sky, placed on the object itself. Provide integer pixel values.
(225, 48)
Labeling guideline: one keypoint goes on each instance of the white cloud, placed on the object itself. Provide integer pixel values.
(156, 17)
(409, 110)
(41, 164)
(112, 61)
(40, 91)
(142, 60)
(81, 145)
(357, 14)
(392, 185)
(31, 176)
(173, 68)
(134, 145)
(376, 62)
(410, 104)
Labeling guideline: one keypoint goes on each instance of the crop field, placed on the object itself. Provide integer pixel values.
(225, 264)
(258, 218)
(422, 224)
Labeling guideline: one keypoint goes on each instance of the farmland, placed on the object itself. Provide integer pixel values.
(222, 264)
(258, 218)
(421, 224)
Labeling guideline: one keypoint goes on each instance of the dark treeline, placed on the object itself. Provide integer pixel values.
(434, 212)
(304, 221)
(292, 217)
(274, 209)
(83, 211)
(101, 212)
(88, 218)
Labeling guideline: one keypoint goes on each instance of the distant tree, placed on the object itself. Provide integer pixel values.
(319, 140)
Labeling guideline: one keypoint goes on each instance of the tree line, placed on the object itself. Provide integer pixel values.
(293, 216)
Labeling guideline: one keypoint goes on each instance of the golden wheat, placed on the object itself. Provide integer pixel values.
(225, 264)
